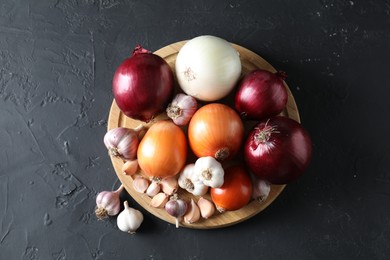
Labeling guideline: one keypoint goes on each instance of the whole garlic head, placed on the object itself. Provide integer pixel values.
(129, 220)
(209, 171)
(191, 182)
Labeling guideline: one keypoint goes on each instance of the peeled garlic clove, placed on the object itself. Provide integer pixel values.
(130, 167)
(193, 213)
(129, 220)
(206, 207)
(159, 200)
(153, 189)
(140, 184)
(169, 185)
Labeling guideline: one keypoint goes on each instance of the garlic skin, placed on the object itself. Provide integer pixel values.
(261, 189)
(130, 167)
(122, 142)
(140, 184)
(206, 207)
(169, 185)
(209, 171)
(153, 189)
(193, 213)
(159, 200)
(129, 220)
(108, 203)
(191, 182)
(182, 108)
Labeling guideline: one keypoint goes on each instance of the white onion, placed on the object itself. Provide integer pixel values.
(208, 68)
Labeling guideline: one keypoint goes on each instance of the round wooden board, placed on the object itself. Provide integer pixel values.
(250, 61)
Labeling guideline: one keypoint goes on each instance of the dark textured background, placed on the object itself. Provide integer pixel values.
(57, 59)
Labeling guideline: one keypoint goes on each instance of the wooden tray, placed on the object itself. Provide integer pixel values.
(250, 61)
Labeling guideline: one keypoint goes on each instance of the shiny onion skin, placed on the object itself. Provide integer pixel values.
(215, 130)
(261, 94)
(236, 191)
(278, 150)
(162, 152)
(143, 85)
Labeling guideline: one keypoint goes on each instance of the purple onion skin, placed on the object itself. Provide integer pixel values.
(143, 86)
(284, 156)
(261, 94)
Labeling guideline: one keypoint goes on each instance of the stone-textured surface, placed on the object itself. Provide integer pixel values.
(57, 59)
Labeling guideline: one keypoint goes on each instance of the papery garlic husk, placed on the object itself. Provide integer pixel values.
(206, 207)
(159, 200)
(176, 208)
(129, 220)
(169, 185)
(182, 108)
(209, 171)
(261, 189)
(108, 203)
(130, 167)
(140, 184)
(122, 142)
(193, 213)
(191, 182)
(153, 189)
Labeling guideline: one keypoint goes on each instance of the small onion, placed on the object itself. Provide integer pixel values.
(208, 68)
(261, 94)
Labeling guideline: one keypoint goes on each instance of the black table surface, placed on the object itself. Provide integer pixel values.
(57, 60)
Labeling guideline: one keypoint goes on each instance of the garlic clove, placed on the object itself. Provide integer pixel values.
(129, 220)
(130, 167)
(206, 207)
(153, 189)
(261, 189)
(159, 200)
(193, 213)
(169, 185)
(140, 184)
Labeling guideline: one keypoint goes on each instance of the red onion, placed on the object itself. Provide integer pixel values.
(261, 94)
(278, 150)
(143, 85)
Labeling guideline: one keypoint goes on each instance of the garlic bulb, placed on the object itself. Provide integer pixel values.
(108, 203)
(182, 109)
(191, 182)
(129, 220)
(176, 208)
(209, 171)
(122, 142)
